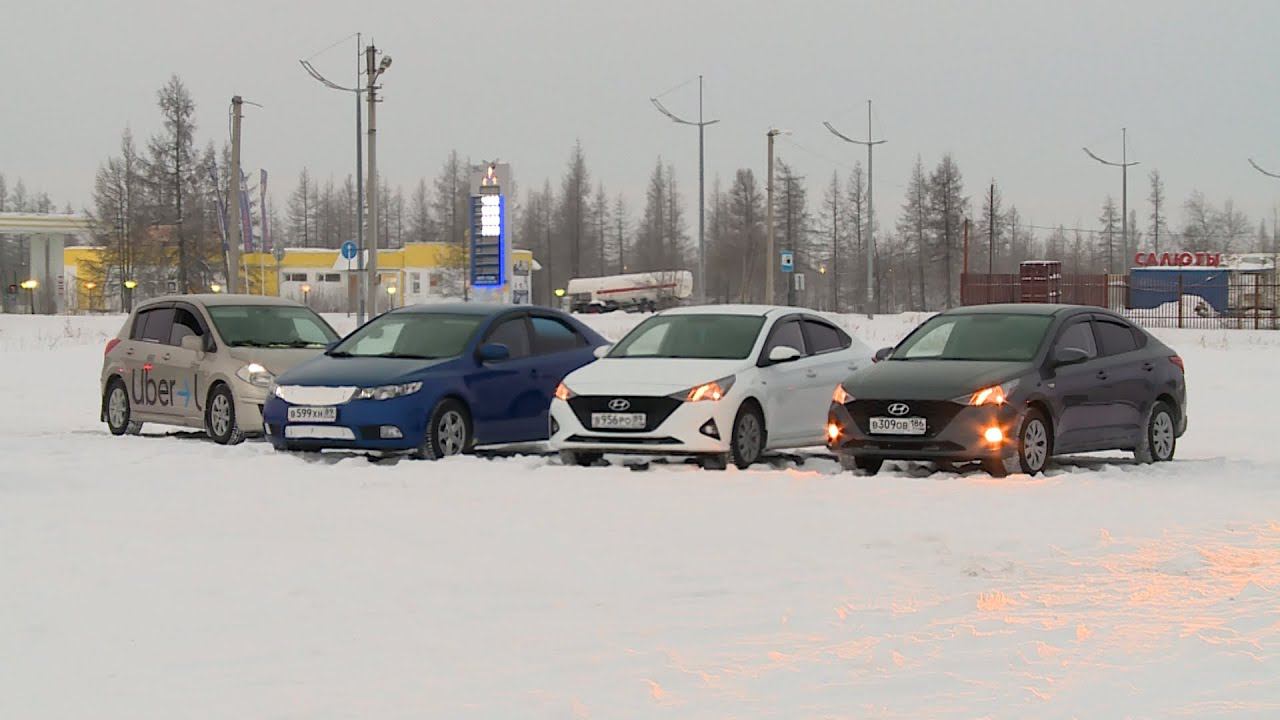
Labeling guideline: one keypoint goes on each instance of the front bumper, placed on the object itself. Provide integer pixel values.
(361, 420)
(683, 432)
(958, 438)
(250, 406)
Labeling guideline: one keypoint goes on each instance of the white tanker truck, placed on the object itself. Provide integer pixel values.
(635, 292)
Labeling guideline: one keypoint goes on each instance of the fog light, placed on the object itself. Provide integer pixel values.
(993, 435)
(833, 432)
(710, 430)
(390, 432)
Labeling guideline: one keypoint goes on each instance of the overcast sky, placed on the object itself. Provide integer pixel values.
(1012, 89)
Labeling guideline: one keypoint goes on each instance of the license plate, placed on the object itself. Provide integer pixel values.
(307, 413)
(618, 421)
(898, 426)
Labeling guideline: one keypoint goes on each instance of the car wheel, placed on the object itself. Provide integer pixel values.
(1161, 438)
(1035, 446)
(119, 411)
(220, 418)
(863, 465)
(747, 442)
(580, 459)
(448, 431)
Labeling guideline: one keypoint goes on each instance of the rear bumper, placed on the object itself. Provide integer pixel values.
(960, 440)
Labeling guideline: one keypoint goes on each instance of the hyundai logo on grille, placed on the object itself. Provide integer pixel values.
(898, 409)
(619, 404)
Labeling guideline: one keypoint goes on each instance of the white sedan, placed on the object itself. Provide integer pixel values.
(720, 382)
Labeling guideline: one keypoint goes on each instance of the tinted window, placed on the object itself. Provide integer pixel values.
(158, 326)
(551, 335)
(271, 326)
(718, 337)
(823, 337)
(978, 336)
(1114, 337)
(419, 335)
(785, 334)
(514, 333)
(1080, 337)
(184, 325)
(139, 324)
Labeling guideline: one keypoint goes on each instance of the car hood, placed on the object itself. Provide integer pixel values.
(929, 379)
(647, 376)
(358, 371)
(276, 360)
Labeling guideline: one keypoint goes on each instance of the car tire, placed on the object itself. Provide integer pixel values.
(220, 417)
(861, 464)
(580, 459)
(1035, 443)
(746, 443)
(1160, 436)
(448, 431)
(719, 461)
(119, 411)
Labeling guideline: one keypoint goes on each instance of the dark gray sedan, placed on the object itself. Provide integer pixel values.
(1010, 386)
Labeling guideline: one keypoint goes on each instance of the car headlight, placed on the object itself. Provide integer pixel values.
(564, 393)
(841, 396)
(256, 375)
(386, 392)
(713, 390)
(993, 395)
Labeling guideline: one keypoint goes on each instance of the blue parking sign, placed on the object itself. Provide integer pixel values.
(788, 261)
(348, 250)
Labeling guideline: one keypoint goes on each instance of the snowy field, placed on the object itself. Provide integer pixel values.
(163, 576)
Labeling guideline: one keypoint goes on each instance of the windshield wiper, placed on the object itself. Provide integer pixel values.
(407, 356)
(296, 344)
(339, 353)
(249, 343)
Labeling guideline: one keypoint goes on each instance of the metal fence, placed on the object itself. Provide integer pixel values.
(1233, 300)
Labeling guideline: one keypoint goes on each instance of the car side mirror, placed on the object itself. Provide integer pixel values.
(331, 345)
(493, 352)
(195, 343)
(783, 353)
(1069, 356)
(601, 351)
(882, 354)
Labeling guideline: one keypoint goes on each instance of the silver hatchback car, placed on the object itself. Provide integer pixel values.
(205, 361)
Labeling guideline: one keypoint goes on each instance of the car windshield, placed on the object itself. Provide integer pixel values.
(410, 335)
(711, 337)
(980, 336)
(273, 326)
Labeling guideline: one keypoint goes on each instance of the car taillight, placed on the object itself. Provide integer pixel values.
(1177, 360)
(110, 344)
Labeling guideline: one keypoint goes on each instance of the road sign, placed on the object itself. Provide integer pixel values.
(348, 250)
(799, 282)
(788, 261)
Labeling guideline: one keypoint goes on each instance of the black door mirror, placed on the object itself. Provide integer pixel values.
(1069, 356)
(882, 354)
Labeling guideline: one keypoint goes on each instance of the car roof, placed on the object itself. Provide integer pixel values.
(1020, 309)
(215, 299)
(732, 309)
(466, 308)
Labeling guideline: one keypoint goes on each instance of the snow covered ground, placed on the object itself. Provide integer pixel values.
(163, 576)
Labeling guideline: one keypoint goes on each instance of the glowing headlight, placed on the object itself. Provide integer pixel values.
(841, 396)
(994, 395)
(563, 392)
(386, 392)
(255, 374)
(713, 390)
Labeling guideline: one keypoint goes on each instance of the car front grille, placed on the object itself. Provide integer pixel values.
(630, 441)
(315, 394)
(938, 414)
(656, 410)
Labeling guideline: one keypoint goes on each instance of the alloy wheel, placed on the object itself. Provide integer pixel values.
(1035, 445)
(451, 432)
(117, 406)
(220, 415)
(749, 437)
(1162, 436)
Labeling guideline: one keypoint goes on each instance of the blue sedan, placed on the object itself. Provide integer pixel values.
(435, 380)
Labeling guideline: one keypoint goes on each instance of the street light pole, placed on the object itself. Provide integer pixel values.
(701, 125)
(372, 72)
(768, 223)
(233, 201)
(1124, 166)
(871, 241)
(1275, 247)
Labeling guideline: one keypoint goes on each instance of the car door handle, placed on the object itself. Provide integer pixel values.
(810, 374)
(1148, 366)
(165, 356)
(1102, 375)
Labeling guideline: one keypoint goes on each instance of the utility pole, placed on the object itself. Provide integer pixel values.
(768, 223)
(1124, 166)
(1275, 246)
(701, 125)
(991, 231)
(233, 200)
(373, 71)
(872, 304)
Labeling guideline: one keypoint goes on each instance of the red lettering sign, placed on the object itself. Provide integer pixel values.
(1181, 259)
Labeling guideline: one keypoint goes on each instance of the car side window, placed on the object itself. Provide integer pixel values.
(514, 333)
(140, 324)
(823, 337)
(184, 325)
(1115, 338)
(551, 335)
(786, 334)
(159, 326)
(1080, 337)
